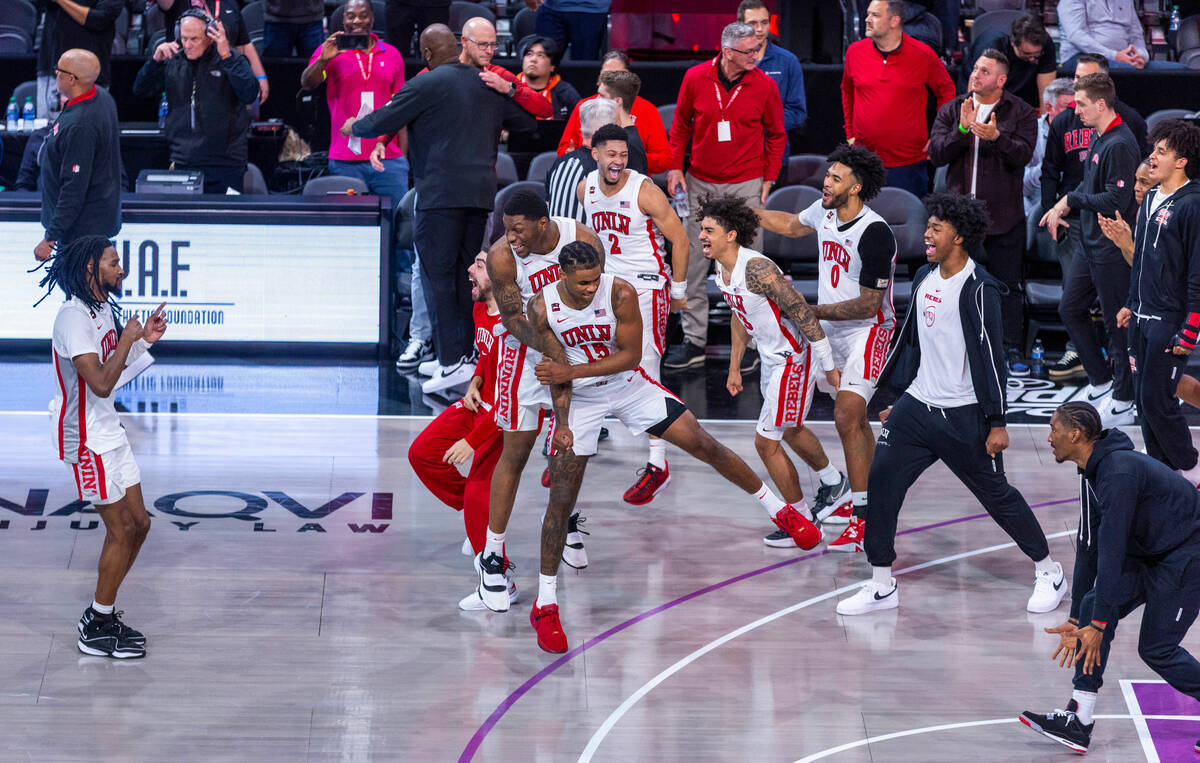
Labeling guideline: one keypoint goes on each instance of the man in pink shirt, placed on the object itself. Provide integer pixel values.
(356, 83)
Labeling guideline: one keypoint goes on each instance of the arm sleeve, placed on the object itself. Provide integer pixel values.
(1052, 164)
(103, 15)
(946, 141)
(74, 177)
(73, 335)
(681, 127)
(776, 137)
(150, 78)
(1117, 492)
(654, 139)
(241, 77)
(394, 115)
(637, 152)
(848, 100)
(876, 248)
(571, 133)
(795, 108)
(1118, 166)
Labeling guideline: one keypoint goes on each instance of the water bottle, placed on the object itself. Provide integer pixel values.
(27, 116)
(680, 202)
(1175, 18)
(1039, 358)
(162, 112)
(11, 117)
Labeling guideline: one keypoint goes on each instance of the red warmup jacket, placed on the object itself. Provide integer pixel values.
(755, 115)
(487, 344)
(526, 97)
(646, 120)
(884, 100)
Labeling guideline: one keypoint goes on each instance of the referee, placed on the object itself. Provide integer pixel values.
(563, 178)
(949, 364)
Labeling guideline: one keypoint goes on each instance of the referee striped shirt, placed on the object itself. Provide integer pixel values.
(562, 181)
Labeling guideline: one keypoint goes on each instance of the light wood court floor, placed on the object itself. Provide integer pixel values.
(299, 588)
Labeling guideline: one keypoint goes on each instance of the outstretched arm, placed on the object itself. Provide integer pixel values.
(763, 277)
(784, 223)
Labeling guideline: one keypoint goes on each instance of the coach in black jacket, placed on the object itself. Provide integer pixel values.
(1106, 188)
(1139, 543)
(949, 368)
(208, 89)
(81, 164)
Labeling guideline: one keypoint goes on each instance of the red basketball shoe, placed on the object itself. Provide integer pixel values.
(851, 539)
(550, 636)
(802, 531)
(650, 481)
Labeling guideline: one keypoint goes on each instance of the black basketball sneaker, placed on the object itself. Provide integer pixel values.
(106, 636)
(1062, 726)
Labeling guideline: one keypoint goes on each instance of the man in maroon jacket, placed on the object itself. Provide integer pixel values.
(730, 113)
(885, 89)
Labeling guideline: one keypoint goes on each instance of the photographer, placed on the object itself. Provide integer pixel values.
(207, 88)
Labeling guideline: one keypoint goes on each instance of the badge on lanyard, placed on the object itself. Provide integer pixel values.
(723, 131)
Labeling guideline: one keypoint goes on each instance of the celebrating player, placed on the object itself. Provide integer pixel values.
(90, 350)
(788, 334)
(854, 303)
(631, 215)
(592, 318)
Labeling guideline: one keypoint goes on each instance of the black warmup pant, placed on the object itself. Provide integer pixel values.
(1170, 589)
(1154, 382)
(447, 241)
(1110, 282)
(405, 22)
(1004, 256)
(913, 438)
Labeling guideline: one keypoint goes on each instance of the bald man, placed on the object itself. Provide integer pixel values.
(478, 46)
(81, 165)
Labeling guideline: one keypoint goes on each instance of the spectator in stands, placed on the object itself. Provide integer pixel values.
(408, 18)
(1057, 97)
(454, 122)
(356, 83)
(539, 64)
(1030, 54)
(580, 23)
(1109, 28)
(645, 117)
(986, 138)
(1094, 63)
(478, 47)
(622, 87)
(730, 114)
(885, 85)
(71, 24)
(230, 16)
(81, 159)
(573, 166)
(293, 26)
(207, 88)
(780, 65)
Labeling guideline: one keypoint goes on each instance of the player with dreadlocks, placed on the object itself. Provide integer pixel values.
(90, 349)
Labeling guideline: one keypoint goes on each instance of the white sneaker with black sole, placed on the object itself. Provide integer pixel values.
(1097, 397)
(870, 598)
(574, 554)
(1049, 588)
(474, 602)
(415, 353)
(494, 581)
(1117, 413)
(450, 376)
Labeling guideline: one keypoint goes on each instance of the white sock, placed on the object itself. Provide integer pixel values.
(882, 576)
(658, 453)
(804, 509)
(769, 500)
(104, 609)
(1087, 703)
(1192, 475)
(494, 544)
(1046, 565)
(547, 588)
(829, 475)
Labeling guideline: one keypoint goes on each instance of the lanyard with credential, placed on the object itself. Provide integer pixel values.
(366, 73)
(724, 133)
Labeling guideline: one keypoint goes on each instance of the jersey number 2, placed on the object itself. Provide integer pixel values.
(614, 244)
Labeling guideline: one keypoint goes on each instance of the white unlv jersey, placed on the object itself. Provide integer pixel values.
(777, 335)
(536, 271)
(841, 262)
(633, 246)
(587, 334)
(78, 416)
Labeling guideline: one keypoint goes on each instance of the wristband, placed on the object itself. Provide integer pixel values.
(824, 352)
(1186, 337)
(962, 129)
(1092, 625)
(679, 290)
(260, 77)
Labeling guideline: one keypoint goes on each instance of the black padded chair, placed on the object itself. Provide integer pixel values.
(988, 23)
(806, 169)
(1187, 42)
(521, 27)
(793, 254)
(907, 217)
(334, 184)
(1162, 114)
(27, 89)
(254, 16)
(12, 42)
(19, 16)
(539, 168)
(506, 170)
(253, 184)
(666, 112)
(503, 196)
(461, 11)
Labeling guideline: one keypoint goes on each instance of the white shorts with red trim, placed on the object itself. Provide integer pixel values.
(858, 352)
(635, 399)
(103, 478)
(654, 304)
(787, 390)
(521, 399)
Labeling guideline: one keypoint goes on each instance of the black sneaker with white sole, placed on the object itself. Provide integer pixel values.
(1068, 368)
(1062, 726)
(750, 361)
(683, 355)
(125, 632)
(104, 636)
(416, 352)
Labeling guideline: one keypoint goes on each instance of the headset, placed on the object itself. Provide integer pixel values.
(193, 13)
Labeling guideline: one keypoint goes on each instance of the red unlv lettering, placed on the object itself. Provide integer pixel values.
(581, 334)
(544, 278)
(108, 345)
(831, 250)
(602, 221)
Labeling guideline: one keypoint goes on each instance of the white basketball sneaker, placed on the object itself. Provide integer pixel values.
(870, 598)
(1049, 588)
(474, 602)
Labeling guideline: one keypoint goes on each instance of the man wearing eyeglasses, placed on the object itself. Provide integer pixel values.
(478, 47)
(81, 163)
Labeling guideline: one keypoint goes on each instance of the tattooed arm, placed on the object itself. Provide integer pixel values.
(763, 277)
(865, 305)
(502, 269)
(560, 394)
(629, 343)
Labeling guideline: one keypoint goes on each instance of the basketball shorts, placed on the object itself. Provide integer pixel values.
(103, 478)
(639, 402)
(654, 304)
(787, 390)
(859, 353)
(521, 400)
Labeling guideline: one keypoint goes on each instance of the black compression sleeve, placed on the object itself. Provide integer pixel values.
(876, 249)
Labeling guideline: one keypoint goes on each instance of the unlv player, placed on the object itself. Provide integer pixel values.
(519, 265)
(595, 317)
(631, 215)
(854, 303)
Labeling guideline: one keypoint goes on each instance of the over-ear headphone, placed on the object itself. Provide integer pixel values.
(194, 13)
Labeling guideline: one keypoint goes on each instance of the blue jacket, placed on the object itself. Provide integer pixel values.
(782, 66)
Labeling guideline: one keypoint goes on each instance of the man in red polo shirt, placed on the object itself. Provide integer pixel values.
(885, 89)
(730, 112)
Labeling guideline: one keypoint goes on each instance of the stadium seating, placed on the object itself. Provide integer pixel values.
(539, 168)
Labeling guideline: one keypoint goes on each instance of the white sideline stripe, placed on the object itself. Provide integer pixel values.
(605, 727)
(1139, 721)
